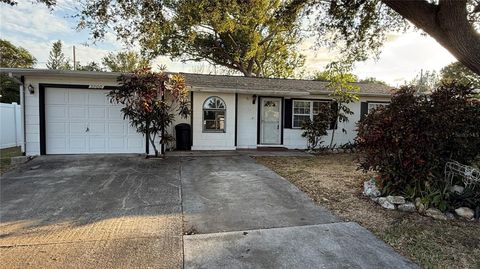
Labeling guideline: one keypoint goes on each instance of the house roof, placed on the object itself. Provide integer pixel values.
(223, 83)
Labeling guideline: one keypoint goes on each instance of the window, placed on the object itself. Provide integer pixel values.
(303, 110)
(214, 115)
(375, 105)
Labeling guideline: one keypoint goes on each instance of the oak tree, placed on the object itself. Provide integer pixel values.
(361, 26)
(255, 38)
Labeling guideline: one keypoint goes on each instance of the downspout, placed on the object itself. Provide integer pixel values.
(22, 105)
(162, 144)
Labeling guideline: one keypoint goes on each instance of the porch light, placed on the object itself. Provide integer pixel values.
(31, 89)
(254, 98)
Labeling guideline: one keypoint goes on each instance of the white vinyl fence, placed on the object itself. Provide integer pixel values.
(11, 134)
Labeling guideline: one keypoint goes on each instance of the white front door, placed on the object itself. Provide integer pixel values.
(84, 121)
(270, 124)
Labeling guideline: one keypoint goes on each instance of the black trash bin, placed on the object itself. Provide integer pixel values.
(182, 132)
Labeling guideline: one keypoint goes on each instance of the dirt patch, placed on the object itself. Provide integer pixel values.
(6, 158)
(333, 181)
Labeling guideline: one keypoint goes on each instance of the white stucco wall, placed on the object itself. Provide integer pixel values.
(293, 137)
(213, 141)
(246, 118)
(247, 122)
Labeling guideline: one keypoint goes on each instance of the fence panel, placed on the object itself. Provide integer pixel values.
(11, 134)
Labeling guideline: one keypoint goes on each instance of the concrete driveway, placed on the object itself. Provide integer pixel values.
(91, 212)
(124, 212)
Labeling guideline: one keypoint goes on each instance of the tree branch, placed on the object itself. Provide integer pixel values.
(447, 23)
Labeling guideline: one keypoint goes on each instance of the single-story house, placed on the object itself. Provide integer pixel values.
(67, 112)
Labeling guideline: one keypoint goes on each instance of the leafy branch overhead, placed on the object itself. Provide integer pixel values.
(255, 38)
(261, 37)
(361, 26)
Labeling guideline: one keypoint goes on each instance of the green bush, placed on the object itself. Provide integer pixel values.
(314, 130)
(409, 141)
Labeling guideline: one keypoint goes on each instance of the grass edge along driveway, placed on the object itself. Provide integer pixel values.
(333, 182)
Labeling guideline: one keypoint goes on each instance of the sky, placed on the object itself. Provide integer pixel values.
(35, 27)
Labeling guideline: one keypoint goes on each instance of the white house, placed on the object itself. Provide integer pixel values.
(67, 112)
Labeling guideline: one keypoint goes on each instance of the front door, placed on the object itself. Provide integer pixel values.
(270, 121)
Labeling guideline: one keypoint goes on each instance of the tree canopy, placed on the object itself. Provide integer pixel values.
(244, 34)
(327, 75)
(457, 72)
(57, 59)
(91, 66)
(15, 57)
(361, 26)
(372, 80)
(256, 38)
(125, 61)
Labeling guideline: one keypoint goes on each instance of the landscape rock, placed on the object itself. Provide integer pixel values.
(420, 206)
(435, 214)
(397, 200)
(370, 188)
(385, 203)
(450, 216)
(457, 189)
(407, 207)
(465, 212)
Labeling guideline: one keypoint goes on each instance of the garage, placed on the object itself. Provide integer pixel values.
(79, 120)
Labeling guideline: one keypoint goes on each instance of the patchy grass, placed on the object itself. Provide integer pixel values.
(6, 156)
(333, 182)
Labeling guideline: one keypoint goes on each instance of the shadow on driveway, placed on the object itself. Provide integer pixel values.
(90, 211)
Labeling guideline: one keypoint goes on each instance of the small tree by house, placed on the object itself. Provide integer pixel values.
(314, 129)
(151, 101)
(342, 93)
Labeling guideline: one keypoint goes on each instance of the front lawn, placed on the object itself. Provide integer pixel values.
(333, 182)
(6, 156)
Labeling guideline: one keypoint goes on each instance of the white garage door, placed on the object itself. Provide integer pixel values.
(81, 121)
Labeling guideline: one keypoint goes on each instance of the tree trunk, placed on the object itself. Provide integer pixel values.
(333, 134)
(152, 141)
(447, 23)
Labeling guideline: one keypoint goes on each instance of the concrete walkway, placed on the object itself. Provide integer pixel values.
(243, 215)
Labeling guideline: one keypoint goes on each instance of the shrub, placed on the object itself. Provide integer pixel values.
(409, 141)
(314, 130)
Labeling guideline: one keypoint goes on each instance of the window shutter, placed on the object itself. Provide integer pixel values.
(363, 109)
(287, 119)
(334, 108)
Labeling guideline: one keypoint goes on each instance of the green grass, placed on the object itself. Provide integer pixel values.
(6, 157)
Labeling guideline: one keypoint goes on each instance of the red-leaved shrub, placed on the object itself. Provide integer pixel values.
(409, 141)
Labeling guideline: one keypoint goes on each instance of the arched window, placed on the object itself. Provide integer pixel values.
(214, 115)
